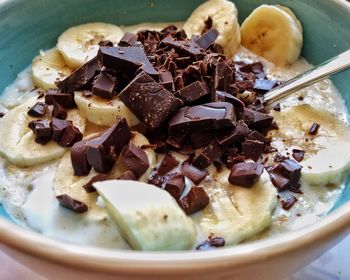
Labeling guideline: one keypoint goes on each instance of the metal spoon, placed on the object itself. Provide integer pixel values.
(316, 74)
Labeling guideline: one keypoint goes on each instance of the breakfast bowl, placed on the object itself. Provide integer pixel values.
(29, 26)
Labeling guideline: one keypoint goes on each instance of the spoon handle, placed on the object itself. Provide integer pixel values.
(320, 72)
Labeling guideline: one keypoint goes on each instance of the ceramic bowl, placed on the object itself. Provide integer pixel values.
(27, 26)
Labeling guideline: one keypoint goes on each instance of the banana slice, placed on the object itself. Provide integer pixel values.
(273, 32)
(236, 213)
(326, 159)
(224, 18)
(103, 112)
(17, 139)
(79, 44)
(48, 68)
(148, 216)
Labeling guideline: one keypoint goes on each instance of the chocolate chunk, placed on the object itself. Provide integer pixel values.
(270, 149)
(89, 188)
(64, 99)
(208, 24)
(59, 111)
(157, 180)
(256, 120)
(193, 173)
(126, 59)
(286, 175)
(166, 80)
(167, 164)
(102, 151)
(58, 126)
(103, 86)
(175, 185)
(264, 85)
(195, 200)
(149, 101)
(183, 62)
(72, 204)
(223, 76)
(207, 116)
(230, 136)
(255, 135)
(175, 141)
(80, 77)
(42, 131)
(70, 136)
(185, 48)
(2, 115)
(135, 159)
(227, 97)
(127, 40)
(245, 174)
(253, 149)
(192, 92)
(105, 43)
(207, 39)
(38, 110)
(209, 154)
(277, 107)
(288, 202)
(211, 242)
(128, 175)
(87, 93)
(200, 139)
(298, 155)
(255, 67)
(314, 129)
(279, 157)
(169, 30)
(79, 161)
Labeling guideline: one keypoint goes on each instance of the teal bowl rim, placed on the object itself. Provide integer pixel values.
(335, 224)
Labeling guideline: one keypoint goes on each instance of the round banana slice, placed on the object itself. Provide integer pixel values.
(149, 217)
(273, 32)
(103, 112)
(326, 159)
(236, 213)
(224, 19)
(79, 44)
(48, 68)
(17, 139)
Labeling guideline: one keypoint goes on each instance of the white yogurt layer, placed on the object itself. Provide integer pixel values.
(27, 193)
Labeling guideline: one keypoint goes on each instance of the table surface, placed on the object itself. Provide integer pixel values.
(333, 265)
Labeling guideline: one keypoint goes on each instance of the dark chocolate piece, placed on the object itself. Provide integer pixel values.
(102, 151)
(227, 97)
(58, 126)
(195, 200)
(87, 93)
(89, 188)
(103, 86)
(207, 116)
(298, 155)
(207, 39)
(279, 157)
(166, 80)
(80, 77)
(255, 135)
(209, 154)
(149, 101)
(255, 67)
(222, 76)
(314, 129)
(185, 48)
(38, 110)
(70, 136)
(200, 139)
(288, 202)
(2, 115)
(72, 204)
(128, 175)
(264, 85)
(105, 43)
(253, 149)
(79, 161)
(211, 242)
(175, 185)
(255, 119)
(167, 164)
(127, 40)
(193, 173)
(135, 159)
(286, 175)
(277, 107)
(245, 174)
(64, 99)
(59, 111)
(192, 92)
(126, 59)
(42, 131)
(231, 136)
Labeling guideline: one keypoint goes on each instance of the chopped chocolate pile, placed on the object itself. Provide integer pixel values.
(286, 175)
